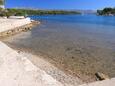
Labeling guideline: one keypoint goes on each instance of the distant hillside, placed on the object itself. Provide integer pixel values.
(87, 11)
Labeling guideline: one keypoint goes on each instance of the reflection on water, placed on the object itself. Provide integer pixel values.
(81, 44)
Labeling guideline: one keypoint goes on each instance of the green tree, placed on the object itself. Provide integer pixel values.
(106, 11)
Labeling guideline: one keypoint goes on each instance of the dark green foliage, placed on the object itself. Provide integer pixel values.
(5, 14)
(25, 12)
(40, 12)
(106, 11)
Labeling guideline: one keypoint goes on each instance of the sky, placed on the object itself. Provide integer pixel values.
(61, 4)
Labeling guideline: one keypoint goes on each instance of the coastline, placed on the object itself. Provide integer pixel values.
(45, 56)
(59, 75)
(11, 27)
(42, 66)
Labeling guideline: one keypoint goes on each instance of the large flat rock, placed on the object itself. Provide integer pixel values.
(8, 24)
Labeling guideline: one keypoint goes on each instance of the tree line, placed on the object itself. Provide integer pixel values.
(25, 12)
(107, 11)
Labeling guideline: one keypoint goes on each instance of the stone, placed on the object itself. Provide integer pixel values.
(101, 76)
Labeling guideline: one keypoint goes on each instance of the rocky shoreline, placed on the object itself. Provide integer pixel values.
(19, 68)
(18, 29)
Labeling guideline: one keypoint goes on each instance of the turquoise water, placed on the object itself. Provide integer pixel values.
(82, 44)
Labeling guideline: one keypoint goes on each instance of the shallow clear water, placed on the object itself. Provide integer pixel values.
(79, 44)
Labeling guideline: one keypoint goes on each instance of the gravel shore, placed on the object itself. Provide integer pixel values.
(65, 79)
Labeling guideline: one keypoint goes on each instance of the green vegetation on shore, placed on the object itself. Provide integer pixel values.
(107, 11)
(24, 12)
